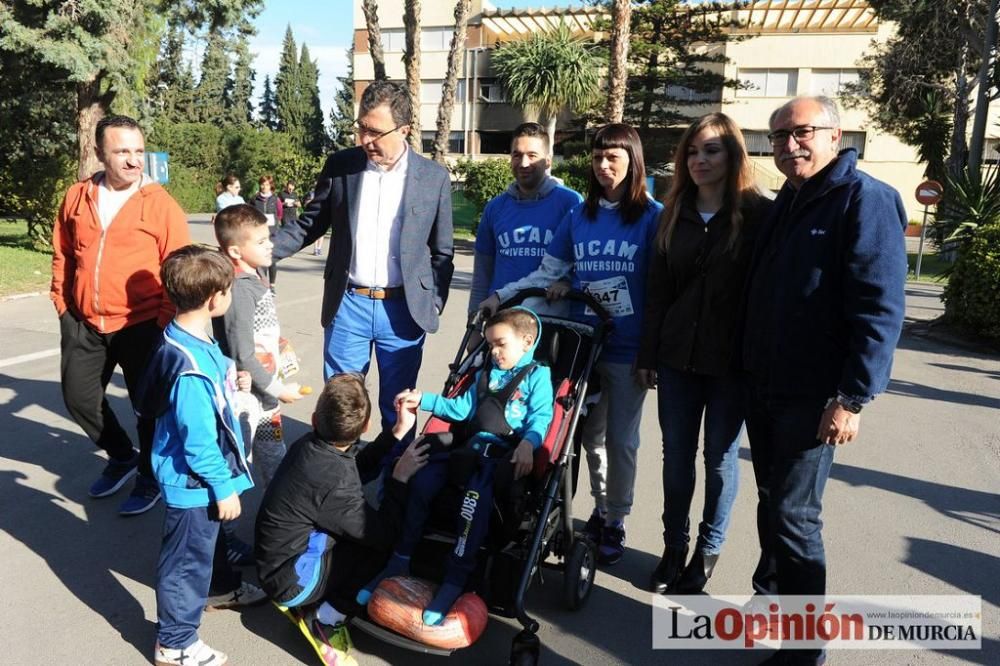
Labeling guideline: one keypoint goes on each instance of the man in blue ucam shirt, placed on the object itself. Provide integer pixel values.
(516, 226)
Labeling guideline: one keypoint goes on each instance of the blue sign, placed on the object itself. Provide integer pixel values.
(157, 167)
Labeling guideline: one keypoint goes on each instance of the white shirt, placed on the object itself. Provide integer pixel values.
(110, 201)
(380, 219)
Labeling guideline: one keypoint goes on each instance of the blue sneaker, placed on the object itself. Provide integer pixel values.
(115, 475)
(143, 497)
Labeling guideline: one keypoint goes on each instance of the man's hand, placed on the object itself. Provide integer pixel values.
(557, 290)
(474, 339)
(491, 304)
(229, 508)
(645, 378)
(523, 459)
(413, 458)
(291, 393)
(838, 425)
(243, 382)
(406, 412)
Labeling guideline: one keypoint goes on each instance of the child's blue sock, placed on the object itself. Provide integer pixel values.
(441, 603)
(398, 565)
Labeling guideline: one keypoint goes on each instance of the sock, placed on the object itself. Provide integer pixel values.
(398, 565)
(441, 603)
(327, 614)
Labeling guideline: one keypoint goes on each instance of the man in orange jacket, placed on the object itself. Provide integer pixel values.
(112, 233)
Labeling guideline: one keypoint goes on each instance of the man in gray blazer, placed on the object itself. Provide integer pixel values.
(390, 263)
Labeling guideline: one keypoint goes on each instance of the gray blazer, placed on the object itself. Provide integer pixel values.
(425, 241)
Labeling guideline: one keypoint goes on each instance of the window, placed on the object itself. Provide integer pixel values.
(435, 39)
(768, 82)
(456, 142)
(854, 140)
(432, 92)
(494, 143)
(393, 40)
(491, 91)
(683, 94)
(991, 151)
(758, 145)
(831, 82)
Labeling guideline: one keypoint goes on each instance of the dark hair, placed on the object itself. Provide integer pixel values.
(226, 181)
(113, 121)
(633, 204)
(343, 409)
(386, 92)
(740, 187)
(533, 130)
(232, 222)
(192, 274)
(266, 178)
(519, 319)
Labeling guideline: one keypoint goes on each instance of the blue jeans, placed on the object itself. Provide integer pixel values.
(791, 467)
(192, 564)
(682, 398)
(362, 323)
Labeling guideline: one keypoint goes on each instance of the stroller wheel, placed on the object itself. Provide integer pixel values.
(578, 574)
(524, 649)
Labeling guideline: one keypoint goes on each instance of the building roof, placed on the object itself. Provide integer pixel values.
(760, 16)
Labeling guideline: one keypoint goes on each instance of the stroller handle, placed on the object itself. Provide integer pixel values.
(572, 295)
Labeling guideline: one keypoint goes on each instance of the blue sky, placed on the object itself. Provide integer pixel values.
(323, 26)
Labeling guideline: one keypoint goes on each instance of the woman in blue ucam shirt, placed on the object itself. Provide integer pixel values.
(605, 242)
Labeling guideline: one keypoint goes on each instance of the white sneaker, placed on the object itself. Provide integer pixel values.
(196, 653)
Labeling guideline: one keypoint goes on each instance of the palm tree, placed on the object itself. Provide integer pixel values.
(370, 8)
(447, 105)
(621, 19)
(411, 61)
(547, 72)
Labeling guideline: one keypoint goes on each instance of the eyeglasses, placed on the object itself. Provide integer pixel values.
(801, 133)
(363, 131)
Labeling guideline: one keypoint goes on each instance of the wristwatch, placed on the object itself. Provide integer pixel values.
(853, 406)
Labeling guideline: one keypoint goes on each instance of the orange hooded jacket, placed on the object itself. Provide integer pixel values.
(110, 277)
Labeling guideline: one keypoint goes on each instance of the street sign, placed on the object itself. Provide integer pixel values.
(929, 192)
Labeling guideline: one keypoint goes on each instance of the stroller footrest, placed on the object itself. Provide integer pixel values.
(392, 638)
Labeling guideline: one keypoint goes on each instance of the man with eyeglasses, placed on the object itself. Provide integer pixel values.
(824, 312)
(390, 262)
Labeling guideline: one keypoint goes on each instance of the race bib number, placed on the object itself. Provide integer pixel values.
(270, 219)
(612, 293)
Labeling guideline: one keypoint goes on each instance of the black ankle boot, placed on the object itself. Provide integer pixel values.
(696, 573)
(668, 570)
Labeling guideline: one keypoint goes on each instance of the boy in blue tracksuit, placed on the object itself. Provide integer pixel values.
(509, 407)
(198, 457)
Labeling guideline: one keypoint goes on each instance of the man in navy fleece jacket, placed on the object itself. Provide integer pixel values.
(824, 311)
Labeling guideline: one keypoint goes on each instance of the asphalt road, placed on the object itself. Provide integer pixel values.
(911, 508)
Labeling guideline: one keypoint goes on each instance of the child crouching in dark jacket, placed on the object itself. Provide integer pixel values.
(317, 540)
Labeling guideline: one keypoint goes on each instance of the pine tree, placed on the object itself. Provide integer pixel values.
(287, 89)
(240, 87)
(342, 113)
(210, 95)
(167, 72)
(315, 139)
(267, 114)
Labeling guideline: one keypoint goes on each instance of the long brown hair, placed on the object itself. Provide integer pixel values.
(740, 186)
(633, 204)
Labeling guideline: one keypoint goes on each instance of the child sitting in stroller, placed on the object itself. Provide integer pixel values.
(509, 406)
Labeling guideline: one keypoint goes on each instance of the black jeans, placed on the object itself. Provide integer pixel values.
(791, 467)
(88, 361)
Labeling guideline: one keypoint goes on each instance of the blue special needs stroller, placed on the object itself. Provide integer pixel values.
(531, 525)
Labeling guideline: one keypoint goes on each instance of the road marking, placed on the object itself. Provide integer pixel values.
(24, 358)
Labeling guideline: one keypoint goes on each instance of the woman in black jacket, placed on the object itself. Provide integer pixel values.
(691, 319)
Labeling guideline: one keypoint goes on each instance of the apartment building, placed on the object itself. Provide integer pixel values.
(794, 47)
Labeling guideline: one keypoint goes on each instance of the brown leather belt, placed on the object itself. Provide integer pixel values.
(376, 293)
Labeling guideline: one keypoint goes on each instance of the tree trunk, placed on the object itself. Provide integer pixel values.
(411, 60)
(618, 66)
(960, 121)
(90, 108)
(649, 87)
(370, 8)
(982, 95)
(551, 129)
(447, 105)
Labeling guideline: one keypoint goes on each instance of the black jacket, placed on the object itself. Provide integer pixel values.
(694, 292)
(315, 488)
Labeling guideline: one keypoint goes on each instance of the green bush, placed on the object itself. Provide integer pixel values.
(574, 172)
(192, 188)
(34, 191)
(972, 295)
(483, 180)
